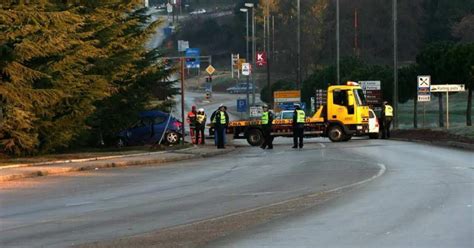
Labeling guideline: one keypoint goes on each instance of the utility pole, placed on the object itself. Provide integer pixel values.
(182, 99)
(268, 52)
(298, 52)
(337, 45)
(273, 36)
(395, 66)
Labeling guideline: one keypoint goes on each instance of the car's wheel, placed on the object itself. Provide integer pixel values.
(336, 133)
(255, 137)
(121, 143)
(172, 138)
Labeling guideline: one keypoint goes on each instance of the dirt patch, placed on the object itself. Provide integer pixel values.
(430, 136)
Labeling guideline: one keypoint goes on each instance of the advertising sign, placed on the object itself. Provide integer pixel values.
(261, 59)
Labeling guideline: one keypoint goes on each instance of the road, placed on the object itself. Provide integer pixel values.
(388, 194)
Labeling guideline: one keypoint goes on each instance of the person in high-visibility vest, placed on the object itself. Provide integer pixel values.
(387, 117)
(200, 126)
(267, 119)
(221, 123)
(299, 117)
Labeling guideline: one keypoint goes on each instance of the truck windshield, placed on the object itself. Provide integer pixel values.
(360, 97)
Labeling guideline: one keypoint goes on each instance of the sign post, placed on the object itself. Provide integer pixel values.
(424, 94)
(373, 93)
(447, 88)
(246, 69)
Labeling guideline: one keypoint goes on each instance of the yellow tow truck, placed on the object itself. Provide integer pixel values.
(344, 115)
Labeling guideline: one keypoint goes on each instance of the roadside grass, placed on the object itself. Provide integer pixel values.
(87, 153)
(457, 112)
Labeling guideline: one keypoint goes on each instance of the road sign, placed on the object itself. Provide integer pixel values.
(372, 91)
(256, 111)
(246, 69)
(210, 70)
(169, 8)
(287, 96)
(261, 59)
(241, 105)
(192, 58)
(424, 98)
(370, 85)
(183, 45)
(447, 87)
(424, 83)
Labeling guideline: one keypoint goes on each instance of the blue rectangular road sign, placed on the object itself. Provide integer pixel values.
(192, 58)
(241, 105)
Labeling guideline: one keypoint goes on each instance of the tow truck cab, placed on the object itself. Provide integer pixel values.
(345, 113)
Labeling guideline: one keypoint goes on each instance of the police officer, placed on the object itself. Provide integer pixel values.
(387, 117)
(267, 119)
(298, 126)
(222, 121)
(200, 126)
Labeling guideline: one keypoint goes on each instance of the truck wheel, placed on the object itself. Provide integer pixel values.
(336, 134)
(255, 137)
(347, 137)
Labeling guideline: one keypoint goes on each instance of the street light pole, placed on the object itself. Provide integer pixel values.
(338, 62)
(253, 55)
(395, 66)
(298, 50)
(247, 56)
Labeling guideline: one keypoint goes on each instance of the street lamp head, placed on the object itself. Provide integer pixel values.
(249, 5)
(243, 9)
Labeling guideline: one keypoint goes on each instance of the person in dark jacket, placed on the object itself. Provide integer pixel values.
(221, 123)
(267, 119)
(299, 117)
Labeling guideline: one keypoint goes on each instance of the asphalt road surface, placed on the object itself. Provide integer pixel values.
(363, 193)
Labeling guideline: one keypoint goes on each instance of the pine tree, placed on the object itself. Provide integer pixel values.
(61, 61)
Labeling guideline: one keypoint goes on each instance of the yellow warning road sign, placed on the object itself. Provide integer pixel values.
(210, 70)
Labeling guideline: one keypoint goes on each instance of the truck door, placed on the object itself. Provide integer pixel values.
(343, 106)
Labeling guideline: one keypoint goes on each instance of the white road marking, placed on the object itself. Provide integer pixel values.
(78, 204)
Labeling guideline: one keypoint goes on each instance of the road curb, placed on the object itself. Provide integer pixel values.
(79, 160)
(452, 144)
(55, 168)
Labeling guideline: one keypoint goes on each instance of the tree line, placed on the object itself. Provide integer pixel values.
(74, 72)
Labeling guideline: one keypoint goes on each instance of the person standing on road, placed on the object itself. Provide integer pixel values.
(191, 119)
(200, 126)
(213, 122)
(299, 117)
(267, 119)
(387, 117)
(222, 121)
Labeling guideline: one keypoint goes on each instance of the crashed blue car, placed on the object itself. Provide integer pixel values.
(151, 128)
